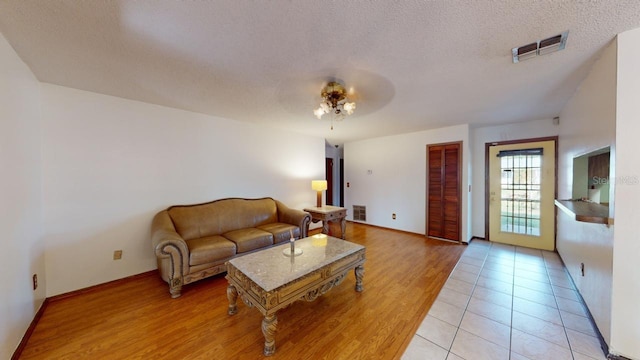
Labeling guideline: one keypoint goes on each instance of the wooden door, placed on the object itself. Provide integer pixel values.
(443, 191)
(341, 181)
(329, 177)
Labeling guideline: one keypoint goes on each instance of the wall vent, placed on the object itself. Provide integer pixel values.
(359, 213)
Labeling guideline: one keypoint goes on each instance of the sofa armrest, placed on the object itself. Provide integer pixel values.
(167, 243)
(296, 217)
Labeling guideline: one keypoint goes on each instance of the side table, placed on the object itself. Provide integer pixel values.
(327, 214)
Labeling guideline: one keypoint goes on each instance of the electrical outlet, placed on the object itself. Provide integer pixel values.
(393, 216)
(117, 255)
(35, 281)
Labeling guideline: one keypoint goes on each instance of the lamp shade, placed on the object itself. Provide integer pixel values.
(319, 185)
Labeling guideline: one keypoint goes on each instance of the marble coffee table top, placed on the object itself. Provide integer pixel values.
(270, 268)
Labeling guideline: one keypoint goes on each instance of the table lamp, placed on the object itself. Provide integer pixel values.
(319, 186)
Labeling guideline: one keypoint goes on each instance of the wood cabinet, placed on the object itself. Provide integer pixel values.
(599, 168)
(443, 190)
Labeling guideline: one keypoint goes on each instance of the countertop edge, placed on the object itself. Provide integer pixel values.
(566, 206)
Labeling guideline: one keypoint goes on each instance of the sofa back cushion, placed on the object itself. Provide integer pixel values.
(221, 216)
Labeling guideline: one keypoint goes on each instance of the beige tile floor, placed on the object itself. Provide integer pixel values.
(506, 302)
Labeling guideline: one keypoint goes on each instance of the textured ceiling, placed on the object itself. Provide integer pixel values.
(414, 65)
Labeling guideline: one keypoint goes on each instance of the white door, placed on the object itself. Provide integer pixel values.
(521, 194)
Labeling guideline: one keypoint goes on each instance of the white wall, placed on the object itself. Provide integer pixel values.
(110, 164)
(625, 317)
(587, 123)
(397, 182)
(20, 199)
(483, 135)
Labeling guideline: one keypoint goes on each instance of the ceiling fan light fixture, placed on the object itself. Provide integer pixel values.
(334, 102)
(318, 112)
(349, 107)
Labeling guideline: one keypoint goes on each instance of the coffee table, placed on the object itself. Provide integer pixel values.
(269, 280)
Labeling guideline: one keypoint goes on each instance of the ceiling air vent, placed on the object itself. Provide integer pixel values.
(541, 47)
(526, 52)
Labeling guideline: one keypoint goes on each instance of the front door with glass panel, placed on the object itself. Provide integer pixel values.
(521, 194)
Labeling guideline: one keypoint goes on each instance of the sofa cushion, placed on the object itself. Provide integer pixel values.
(249, 239)
(281, 232)
(221, 216)
(209, 249)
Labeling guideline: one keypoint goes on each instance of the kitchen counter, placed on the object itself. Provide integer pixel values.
(586, 211)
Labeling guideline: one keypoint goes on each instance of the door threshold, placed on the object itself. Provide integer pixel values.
(443, 239)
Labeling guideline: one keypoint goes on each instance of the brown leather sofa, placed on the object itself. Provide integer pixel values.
(193, 242)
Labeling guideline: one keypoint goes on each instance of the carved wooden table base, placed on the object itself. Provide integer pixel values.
(308, 286)
(328, 214)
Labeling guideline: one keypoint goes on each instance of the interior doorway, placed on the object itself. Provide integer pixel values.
(521, 189)
(328, 170)
(341, 173)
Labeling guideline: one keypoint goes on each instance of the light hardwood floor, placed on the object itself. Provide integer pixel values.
(136, 318)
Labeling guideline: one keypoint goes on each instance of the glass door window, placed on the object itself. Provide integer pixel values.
(520, 191)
